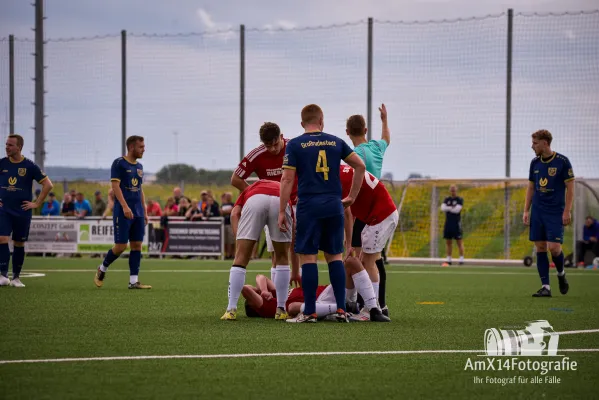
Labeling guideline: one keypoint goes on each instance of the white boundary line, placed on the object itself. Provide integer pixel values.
(258, 355)
(322, 271)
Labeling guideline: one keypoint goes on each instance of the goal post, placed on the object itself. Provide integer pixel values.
(493, 231)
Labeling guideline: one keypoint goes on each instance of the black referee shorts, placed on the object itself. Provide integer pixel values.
(356, 239)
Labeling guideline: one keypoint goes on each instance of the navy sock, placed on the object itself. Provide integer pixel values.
(4, 259)
(337, 277)
(543, 267)
(18, 257)
(310, 284)
(382, 282)
(110, 258)
(559, 262)
(134, 262)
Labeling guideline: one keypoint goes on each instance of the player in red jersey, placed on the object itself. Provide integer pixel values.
(375, 207)
(256, 207)
(266, 161)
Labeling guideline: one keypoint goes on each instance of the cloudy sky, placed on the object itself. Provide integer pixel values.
(443, 82)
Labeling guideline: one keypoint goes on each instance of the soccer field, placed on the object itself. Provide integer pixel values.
(106, 343)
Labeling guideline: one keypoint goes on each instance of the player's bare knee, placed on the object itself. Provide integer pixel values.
(119, 248)
(136, 246)
(4, 239)
(18, 244)
(353, 266)
(555, 249)
(541, 247)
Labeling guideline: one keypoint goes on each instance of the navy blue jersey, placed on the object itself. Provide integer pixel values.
(550, 177)
(130, 176)
(316, 157)
(16, 184)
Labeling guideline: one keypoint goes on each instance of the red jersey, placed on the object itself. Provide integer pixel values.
(271, 188)
(269, 307)
(296, 295)
(266, 165)
(374, 203)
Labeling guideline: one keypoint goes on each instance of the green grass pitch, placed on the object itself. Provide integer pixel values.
(63, 315)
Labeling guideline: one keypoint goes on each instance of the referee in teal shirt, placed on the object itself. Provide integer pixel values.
(372, 153)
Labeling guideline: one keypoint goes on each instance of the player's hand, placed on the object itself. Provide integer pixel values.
(526, 218)
(282, 221)
(146, 219)
(349, 251)
(29, 205)
(296, 280)
(383, 111)
(266, 295)
(128, 213)
(0, 204)
(566, 218)
(348, 201)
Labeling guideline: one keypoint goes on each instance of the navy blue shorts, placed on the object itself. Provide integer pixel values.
(128, 230)
(18, 226)
(546, 227)
(313, 234)
(452, 231)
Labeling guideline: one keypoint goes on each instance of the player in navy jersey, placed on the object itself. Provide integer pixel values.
(129, 215)
(551, 192)
(315, 157)
(17, 174)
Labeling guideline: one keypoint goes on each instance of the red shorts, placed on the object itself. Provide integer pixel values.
(297, 295)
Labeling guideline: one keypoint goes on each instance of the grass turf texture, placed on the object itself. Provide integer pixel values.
(64, 315)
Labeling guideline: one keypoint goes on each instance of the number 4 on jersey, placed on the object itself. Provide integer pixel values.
(321, 164)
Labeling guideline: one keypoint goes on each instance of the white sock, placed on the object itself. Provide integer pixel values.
(562, 273)
(547, 287)
(375, 286)
(365, 288)
(281, 280)
(273, 273)
(132, 279)
(102, 268)
(448, 259)
(351, 294)
(322, 309)
(236, 282)
(461, 258)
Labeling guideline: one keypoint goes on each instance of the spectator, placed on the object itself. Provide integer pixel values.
(211, 209)
(590, 240)
(68, 206)
(99, 205)
(153, 209)
(37, 211)
(225, 210)
(203, 198)
(82, 207)
(170, 208)
(178, 195)
(51, 206)
(110, 204)
(194, 213)
(183, 206)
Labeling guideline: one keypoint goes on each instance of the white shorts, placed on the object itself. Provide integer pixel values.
(327, 296)
(262, 211)
(269, 246)
(375, 237)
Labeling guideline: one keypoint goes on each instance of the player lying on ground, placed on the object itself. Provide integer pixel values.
(375, 207)
(266, 161)
(130, 214)
(17, 174)
(260, 301)
(551, 192)
(256, 207)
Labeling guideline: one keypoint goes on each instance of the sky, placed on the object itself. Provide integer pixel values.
(444, 83)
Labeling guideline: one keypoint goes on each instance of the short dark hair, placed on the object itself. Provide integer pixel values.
(269, 132)
(20, 141)
(311, 114)
(355, 125)
(250, 312)
(133, 139)
(543, 134)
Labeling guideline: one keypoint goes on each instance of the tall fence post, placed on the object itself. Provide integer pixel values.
(241, 92)
(123, 91)
(40, 153)
(11, 84)
(434, 248)
(508, 135)
(369, 83)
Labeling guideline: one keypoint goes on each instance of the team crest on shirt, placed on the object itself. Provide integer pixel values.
(134, 181)
(570, 172)
(552, 171)
(12, 180)
(140, 173)
(22, 171)
(543, 182)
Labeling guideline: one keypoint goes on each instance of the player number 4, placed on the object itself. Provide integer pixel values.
(321, 164)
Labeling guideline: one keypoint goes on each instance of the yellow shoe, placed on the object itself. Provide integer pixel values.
(138, 285)
(230, 315)
(99, 278)
(281, 314)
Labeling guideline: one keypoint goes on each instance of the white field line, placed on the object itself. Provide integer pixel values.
(258, 355)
